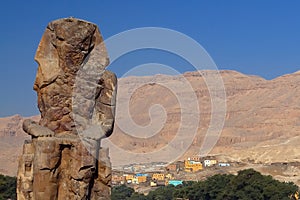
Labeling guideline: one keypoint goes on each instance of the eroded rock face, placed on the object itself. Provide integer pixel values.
(72, 58)
(76, 98)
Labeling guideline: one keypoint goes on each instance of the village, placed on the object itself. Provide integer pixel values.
(143, 176)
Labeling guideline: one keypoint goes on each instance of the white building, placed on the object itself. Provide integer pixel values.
(208, 163)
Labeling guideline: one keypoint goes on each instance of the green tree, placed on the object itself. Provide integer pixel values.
(121, 192)
(250, 184)
(247, 185)
(162, 193)
(137, 196)
(7, 187)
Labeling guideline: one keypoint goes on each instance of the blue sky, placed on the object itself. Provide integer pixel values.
(252, 37)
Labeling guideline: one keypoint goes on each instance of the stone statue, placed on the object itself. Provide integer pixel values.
(76, 98)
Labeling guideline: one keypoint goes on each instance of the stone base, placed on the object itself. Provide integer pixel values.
(53, 168)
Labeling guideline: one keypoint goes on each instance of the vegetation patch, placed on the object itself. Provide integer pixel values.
(7, 187)
(246, 185)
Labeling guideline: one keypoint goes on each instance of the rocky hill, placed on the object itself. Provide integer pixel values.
(11, 142)
(262, 118)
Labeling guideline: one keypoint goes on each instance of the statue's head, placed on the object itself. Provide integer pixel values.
(71, 57)
(64, 46)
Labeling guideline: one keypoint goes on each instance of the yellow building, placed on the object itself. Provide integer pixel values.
(135, 180)
(142, 179)
(129, 177)
(213, 162)
(192, 166)
(159, 177)
(153, 184)
(169, 176)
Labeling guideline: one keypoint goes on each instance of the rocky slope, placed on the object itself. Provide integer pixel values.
(262, 119)
(11, 142)
(258, 111)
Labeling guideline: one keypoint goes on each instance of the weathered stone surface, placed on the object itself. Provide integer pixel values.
(63, 168)
(76, 98)
(71, 74)
(35, 130)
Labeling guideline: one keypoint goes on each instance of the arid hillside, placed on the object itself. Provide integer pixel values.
(261, 120)
(11, 142)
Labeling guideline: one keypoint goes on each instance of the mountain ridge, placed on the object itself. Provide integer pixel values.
(259, 113)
